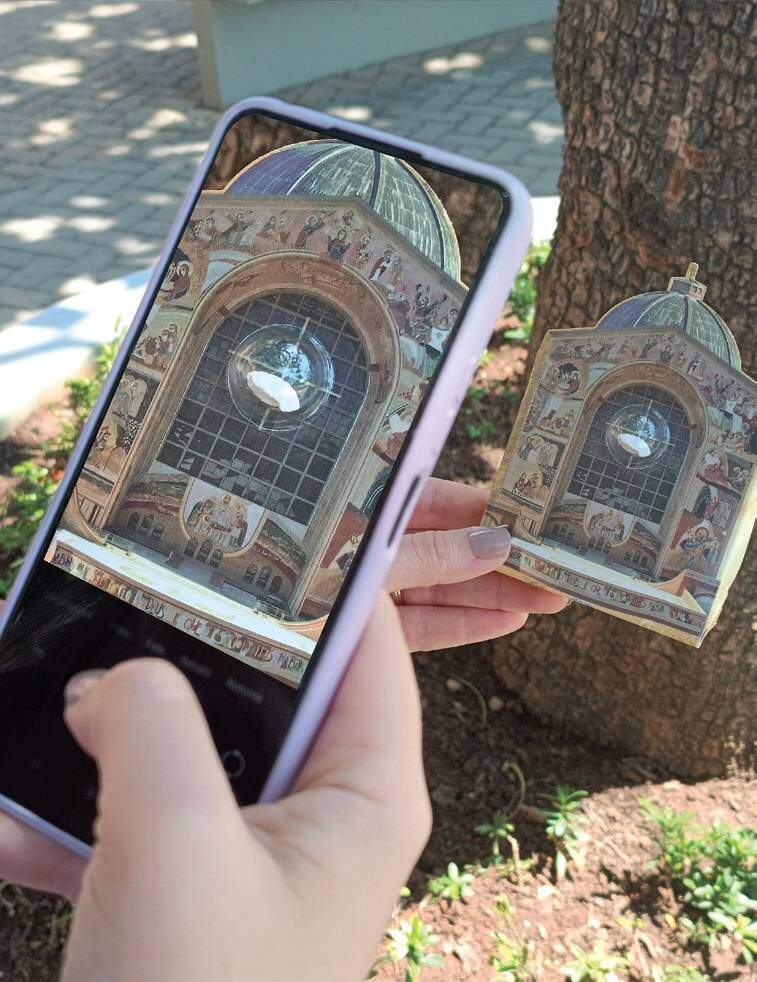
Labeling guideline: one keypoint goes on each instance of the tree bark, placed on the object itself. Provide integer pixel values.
(658, 100)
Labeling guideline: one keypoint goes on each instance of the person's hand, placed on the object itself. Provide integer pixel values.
(184, 886)
(449, 597)
(449, 593)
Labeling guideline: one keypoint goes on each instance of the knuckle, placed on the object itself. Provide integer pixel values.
(430, 550)
(419, 624)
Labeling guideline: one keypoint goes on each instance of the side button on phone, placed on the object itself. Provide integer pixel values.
(403, 514)
(234, 763)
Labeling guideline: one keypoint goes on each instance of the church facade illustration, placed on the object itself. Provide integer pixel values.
(629, 478)
(269, 394)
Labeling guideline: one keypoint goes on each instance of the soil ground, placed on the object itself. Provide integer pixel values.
(485, 753)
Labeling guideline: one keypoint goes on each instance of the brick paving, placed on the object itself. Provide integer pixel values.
(101, 126)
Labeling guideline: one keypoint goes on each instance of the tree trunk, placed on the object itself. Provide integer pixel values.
(657, 98)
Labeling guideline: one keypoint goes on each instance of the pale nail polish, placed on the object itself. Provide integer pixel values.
(80, 685)
(486, 543)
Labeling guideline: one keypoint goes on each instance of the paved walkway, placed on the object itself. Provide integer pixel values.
(101, 126)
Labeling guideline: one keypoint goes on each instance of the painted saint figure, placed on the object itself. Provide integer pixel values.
(380, 266)
(338, 245)
(313, 224)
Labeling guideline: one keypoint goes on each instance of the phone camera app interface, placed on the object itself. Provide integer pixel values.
(266, 400)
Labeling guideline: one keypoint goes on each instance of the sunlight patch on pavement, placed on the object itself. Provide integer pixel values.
(36, 229)
(178, 148)
(88, 201)
(52, 131)
(440, 65)
(77, 284)
(540, 45)
(127, 245)
(546, 133)
(188, 40)
(91, 223)
(534, 84)
(112, 9)
(158, 121)
(70, 30)
(356, 114)
(56, 72)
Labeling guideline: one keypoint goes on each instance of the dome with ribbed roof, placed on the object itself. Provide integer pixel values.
(386, 185)
(681, 306)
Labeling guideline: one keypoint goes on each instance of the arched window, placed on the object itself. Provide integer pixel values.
(189, 548)
(249, 574)
(275, 586)
(204, 551)
(215, 559)
(263, 576)
(147, 523)
(133, 521)
(157, 532)
(633, 451)
(235, 441)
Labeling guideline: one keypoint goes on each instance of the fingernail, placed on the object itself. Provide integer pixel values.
(486, 543)
(80, 685)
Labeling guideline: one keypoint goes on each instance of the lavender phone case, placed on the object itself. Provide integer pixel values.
(425, 443)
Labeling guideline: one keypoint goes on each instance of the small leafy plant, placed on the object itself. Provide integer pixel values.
(564, 827)
(713, 872)
(480, 431)
(497, 829)
(503, 906)
(21, 514)
(452, 885)
(677, 973)
(511, 959)
(522, 299)
(409, 945)
(597, 965)
(37, 478)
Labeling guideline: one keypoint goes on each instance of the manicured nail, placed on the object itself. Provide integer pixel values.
(80, 685)
(486, 543)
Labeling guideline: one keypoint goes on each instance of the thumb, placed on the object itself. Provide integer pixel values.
(144, 726)
(430, 558)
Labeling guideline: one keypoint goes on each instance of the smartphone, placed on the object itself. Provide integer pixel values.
(236, 499)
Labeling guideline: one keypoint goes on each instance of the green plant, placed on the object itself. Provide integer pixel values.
(480, 431)
(564, 829)
(410, 943)
(511, 959)
(496, 829)
(503, 906)
(713, 873)
(37, 478)
(597, 965)
(21, 514)
(522, 299)
(677, 973)
(452, 885)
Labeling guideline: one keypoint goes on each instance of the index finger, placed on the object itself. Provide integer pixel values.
(447, 505)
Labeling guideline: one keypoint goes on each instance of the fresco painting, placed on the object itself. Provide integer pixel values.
(647, 481)
(276, 377)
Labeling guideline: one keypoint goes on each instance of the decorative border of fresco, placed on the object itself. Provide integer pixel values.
(623, 602)
(286, 666)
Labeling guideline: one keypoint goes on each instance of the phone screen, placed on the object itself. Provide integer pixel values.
(265, 402)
